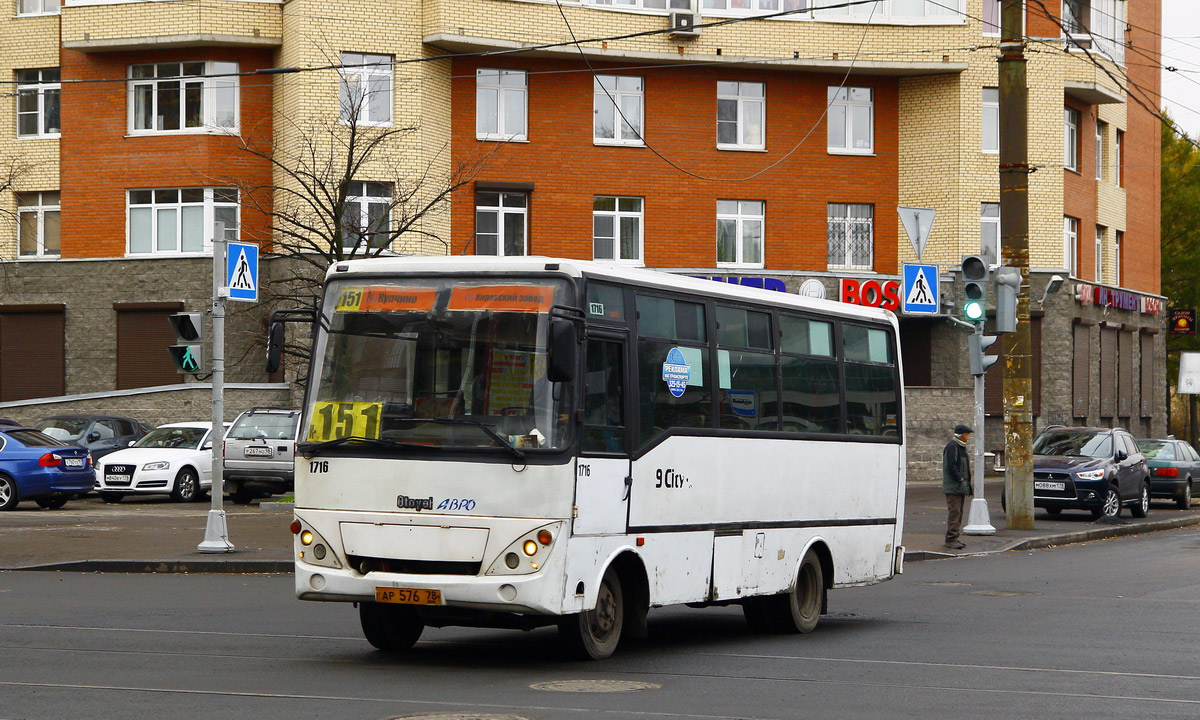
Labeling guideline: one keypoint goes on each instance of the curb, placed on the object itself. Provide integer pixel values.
(1069, 538)
(229, 567)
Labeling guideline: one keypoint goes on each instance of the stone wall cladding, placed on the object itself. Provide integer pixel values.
(931, 414)
(183, 403)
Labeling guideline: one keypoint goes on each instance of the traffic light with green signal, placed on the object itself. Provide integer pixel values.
(188, 350)
(975, 281)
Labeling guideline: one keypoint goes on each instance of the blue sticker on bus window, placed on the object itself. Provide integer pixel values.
(676, 372)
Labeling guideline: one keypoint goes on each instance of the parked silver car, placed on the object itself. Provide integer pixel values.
(260, 453)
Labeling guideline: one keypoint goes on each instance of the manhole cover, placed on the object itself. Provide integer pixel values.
(459, 716)
(596, 686)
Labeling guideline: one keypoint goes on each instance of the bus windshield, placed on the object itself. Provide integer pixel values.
(429, 363)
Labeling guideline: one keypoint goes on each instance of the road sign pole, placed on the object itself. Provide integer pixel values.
(216, 532)
(979, 521)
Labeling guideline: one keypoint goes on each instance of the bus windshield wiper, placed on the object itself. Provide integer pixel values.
(375, 442)
(488, 429)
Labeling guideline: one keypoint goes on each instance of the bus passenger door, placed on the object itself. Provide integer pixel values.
(602, 472)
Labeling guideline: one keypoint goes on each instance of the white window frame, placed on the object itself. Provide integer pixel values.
(834, 96)
(38, 208)
(743, 99)
(501, 211)
(652, 5)
(848, 224)
(987, 221)
(988, 4)
(1118, 241)
(209, 205)
(1119, 150)
(1100, 253)
(361, 193)
(1101, 128)
(363, 76)
(1071, 139)
(991, 109)
(622, 210)
(744, 216)
(44, 7)
(45, 90)
(490, 82)
(605, 104)
(212, 88)
(1070, 244)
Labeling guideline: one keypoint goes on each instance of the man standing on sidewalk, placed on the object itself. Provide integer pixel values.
(956, 484)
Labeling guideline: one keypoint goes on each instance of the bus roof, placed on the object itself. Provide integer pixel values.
(642, 277)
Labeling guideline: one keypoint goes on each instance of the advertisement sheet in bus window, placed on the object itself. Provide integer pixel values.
(511, 380)
(502, 298)
(385, 298)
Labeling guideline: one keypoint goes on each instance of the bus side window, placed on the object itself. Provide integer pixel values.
(604, 398)
(811, 399)
(872, 390)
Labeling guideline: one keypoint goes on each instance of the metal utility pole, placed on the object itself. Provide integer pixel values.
(216, 532)
(1014, 225)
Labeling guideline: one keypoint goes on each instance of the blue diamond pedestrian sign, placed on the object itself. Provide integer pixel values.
(921, 289)
(241, 271)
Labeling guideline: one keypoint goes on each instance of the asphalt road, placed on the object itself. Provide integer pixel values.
(1099, 630)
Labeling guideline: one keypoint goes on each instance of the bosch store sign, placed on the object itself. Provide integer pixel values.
(872, 293)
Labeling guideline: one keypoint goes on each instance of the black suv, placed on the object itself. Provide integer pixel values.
(1094, 469)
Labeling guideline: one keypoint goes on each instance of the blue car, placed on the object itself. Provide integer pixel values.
(35, 466)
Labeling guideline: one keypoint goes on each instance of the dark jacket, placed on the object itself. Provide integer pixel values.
(956, 469)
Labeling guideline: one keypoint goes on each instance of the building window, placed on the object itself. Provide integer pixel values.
(38, 226)
(655, 4)
(1118, 240)
(1101, 129)
(37, 7)
(991, 120)
(991, 17)
(39, 95)
(1119, 160)
(740, 233)
(851, 236)
(617, 228)
(741, 115)
(183, 97)
(501, 98)
(851, 120)
(989, 231)
(1099, 253)
(365, 89)
(180, 220)
(617, 110)
(367, 216)
(1073, 14)
(1071, 139)
(1070, 243)
(501, 223)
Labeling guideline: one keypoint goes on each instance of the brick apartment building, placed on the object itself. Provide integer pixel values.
(771, 151)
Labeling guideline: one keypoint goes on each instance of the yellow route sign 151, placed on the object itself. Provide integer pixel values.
(332, 420)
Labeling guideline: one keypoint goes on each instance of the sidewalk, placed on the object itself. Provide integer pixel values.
(156, 535)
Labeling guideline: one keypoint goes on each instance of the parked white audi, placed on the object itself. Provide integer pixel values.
(174, 459)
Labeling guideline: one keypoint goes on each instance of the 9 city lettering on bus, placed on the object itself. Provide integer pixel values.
(871, 293)
(669, 478)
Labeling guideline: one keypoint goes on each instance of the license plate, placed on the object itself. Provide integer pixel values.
(257, 452)
(408, 596)
(74, 462)
(117, 479)
(1044, 485)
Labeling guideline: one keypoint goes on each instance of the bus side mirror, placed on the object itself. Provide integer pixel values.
(562, 348)
(274, 348)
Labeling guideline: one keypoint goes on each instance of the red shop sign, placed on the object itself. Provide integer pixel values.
(872, 293)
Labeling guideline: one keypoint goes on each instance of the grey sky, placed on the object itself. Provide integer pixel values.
(1181, 49)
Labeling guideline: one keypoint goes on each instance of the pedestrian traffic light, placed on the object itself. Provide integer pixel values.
(1008, 283)
(975, 275)
(188, 350)
(977, 343)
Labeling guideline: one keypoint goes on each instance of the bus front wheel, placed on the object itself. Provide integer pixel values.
(799, 611)
(390, 627)
(594, 634)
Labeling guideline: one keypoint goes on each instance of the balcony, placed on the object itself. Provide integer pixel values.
(119, 25)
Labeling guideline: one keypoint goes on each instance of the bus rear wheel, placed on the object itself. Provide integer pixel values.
(799, 611)
(392, 628)
(594, 634)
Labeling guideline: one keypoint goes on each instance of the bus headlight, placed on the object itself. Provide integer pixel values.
(527, 554)
(314, 549)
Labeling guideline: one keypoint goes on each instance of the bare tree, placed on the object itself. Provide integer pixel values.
(13, 173)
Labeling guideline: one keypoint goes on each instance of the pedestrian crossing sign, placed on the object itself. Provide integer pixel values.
(921, 289)
(241, 274)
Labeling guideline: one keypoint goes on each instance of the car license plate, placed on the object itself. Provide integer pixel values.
(117, 479)
(74, 462)
(257, 452)
(408, 596)
(1044, 485)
